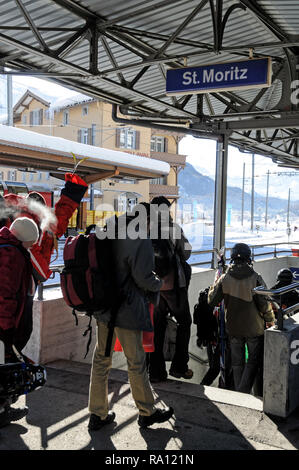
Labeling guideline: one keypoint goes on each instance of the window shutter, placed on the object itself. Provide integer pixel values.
(117, 138)
(137, 140)
(89, 136)
(41, 113)
(79, 136)
(165, 145)
(93, 134)
(31, 118)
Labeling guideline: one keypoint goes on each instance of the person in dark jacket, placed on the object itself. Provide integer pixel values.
(284, 278)
(246, 315)
(173, 296)
(133, 263)
(15, 285)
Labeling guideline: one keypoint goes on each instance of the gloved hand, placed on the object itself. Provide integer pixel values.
(74, 179)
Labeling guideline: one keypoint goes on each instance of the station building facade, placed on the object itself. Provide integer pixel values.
(89, 121)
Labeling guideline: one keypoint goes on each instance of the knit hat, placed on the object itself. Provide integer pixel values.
(24, 229)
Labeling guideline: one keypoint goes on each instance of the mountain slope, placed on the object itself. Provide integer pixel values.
(196, 188)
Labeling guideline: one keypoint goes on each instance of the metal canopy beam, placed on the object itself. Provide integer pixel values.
(31, 25)
(287, 122)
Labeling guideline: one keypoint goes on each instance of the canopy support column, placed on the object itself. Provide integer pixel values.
(220, 195)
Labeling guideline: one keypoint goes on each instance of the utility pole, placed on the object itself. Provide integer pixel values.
(9, 100)
(267, 197)
(243, 189)
(288, 215)
(252, 193)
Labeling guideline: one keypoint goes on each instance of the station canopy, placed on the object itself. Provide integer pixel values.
(31, 151)
(120, 51)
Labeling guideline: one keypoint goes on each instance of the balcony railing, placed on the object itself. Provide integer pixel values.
(163, 190)
(173, 159)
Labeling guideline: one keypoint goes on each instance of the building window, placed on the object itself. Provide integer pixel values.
(83, 136)
(36, 117)
(158, 144)
(127, 138)
(24, 119)
(1, 175)
(162, 180)
(12, 175)
(66, 117)
(120, 203)
(84, 110)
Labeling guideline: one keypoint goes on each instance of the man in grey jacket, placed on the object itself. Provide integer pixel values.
(134, 267)
(246, 315)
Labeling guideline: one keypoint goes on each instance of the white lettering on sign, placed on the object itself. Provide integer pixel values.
(209, 76)
(295, 354)
(190, 77)
(187, 78)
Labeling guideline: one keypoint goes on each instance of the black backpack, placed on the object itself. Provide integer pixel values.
(164, 256)
(207, 324)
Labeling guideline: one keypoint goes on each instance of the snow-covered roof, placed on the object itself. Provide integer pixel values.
(74, 100)
(26, 99)
(19, 147)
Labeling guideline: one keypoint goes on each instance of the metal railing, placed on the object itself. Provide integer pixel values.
(274, 252)
(274, 292)
(41, 286)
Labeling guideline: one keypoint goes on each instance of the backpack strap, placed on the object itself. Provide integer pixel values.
(111, 325)
(18, 247)
(88, 329)
(92, 254)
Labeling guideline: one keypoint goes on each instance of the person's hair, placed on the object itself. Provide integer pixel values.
(161, 200)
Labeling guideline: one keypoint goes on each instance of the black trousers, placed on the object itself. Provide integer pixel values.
(245, 374)
(176, 303)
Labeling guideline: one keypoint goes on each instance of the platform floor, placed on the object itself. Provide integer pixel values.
(205, 418)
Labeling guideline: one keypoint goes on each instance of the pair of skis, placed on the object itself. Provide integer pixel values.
(222, 333)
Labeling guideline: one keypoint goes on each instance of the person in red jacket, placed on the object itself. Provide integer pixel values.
(15, 284)
(51, 226)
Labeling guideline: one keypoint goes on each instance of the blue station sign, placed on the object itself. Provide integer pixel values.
(251, 73)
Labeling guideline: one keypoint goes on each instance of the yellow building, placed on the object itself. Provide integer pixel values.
(89, 121)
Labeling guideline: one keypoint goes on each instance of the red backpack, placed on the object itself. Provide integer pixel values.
(87, 280)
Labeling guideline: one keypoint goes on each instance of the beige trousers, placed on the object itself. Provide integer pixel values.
(131, 341)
